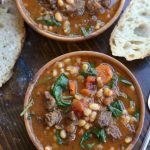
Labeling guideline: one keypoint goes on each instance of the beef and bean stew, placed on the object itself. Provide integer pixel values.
(71, 17)
(84, 103)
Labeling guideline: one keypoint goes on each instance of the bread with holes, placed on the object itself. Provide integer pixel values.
(131, 37)
(12, 33)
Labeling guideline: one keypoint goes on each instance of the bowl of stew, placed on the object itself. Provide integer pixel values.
(84, 100)
(70, 20)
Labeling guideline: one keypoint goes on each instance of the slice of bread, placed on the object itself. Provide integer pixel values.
(131, 37)
(12, 33)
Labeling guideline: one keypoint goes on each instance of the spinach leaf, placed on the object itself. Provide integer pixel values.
(118, 104)
(116, 108)
(115, 112)
(60, 85)
(59, 139)
(85, 31)
(113, 82)
(90, 72)
(100, 134)
(136, 114)
(124, 81)
(86, 136)
(49, 21)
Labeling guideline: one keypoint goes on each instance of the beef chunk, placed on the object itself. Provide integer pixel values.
(51, 103)
(71, 131)
(106, 3)
(114, 131)
(131, 127)
(76, 9)
(72, 116)
(105, 118)
(53, 118)
(93, 6)
(53, 4)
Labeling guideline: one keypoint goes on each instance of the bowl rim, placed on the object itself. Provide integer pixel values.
(58, 37)
(111, 60)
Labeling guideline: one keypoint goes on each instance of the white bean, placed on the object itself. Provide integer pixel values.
(78, 96)
(58, 16)
(128, 139)
(85, 66)
(48, 147)
(67, 60)
(60, 3)
(87, 126)
(94, 106)
(60, 65)
(55, 73)
(81, 123)
(108, 92)
(63, 134)
(87, 112)
(93, 116)
(99, 93)
(70, 1)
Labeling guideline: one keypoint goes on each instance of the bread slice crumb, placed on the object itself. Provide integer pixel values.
(131, 37)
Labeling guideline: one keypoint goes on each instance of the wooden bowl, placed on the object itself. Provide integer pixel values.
(54, 36)
(104, 57)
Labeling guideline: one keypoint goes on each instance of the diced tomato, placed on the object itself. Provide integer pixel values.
(105, 72)
(91, 79)
(85, 92)
(78, 107)
(72, 87)
(90, 82)
(107, 101)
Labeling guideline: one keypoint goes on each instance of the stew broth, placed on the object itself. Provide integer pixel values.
(83, 18)
(116, 87)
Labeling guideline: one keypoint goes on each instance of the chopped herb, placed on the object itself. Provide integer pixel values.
(67, 97)
(44, 80)
(90, 72)
(124, 81)
(85, 31)
(27, 107)
(116, 108)
(113, 82)
(30, 115)
(137, 115)
(59, 139)
(132, 104)
(60, 85)
(49, 21)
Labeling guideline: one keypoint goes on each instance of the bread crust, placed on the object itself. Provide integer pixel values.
(12, 31)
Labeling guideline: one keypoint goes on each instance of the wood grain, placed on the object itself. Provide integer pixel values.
(36, 52)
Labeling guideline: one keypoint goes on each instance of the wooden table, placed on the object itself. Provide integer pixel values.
(36, 52)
